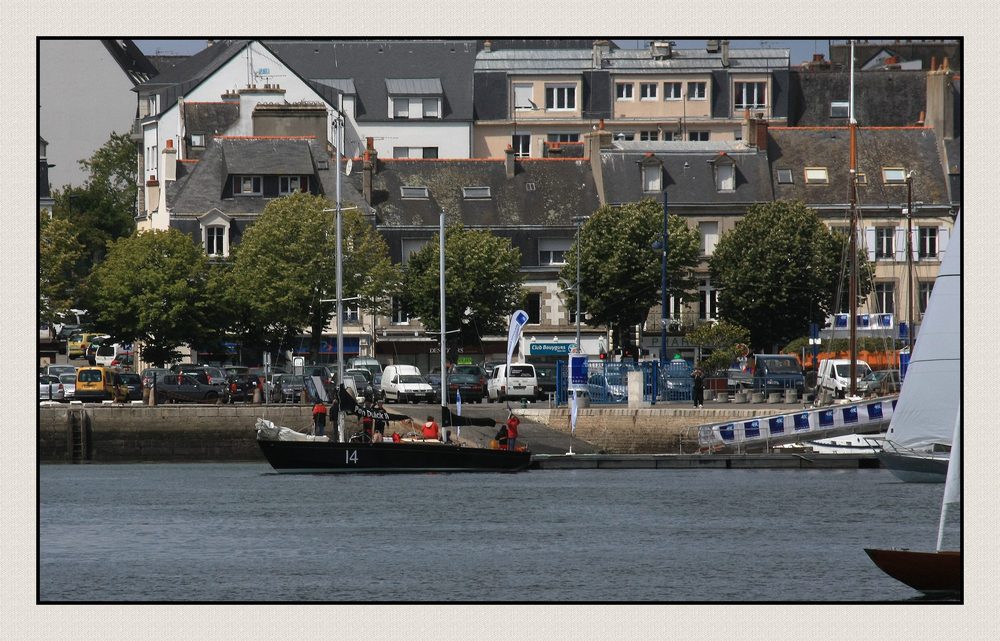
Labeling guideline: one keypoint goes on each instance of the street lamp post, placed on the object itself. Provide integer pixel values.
(578, 220)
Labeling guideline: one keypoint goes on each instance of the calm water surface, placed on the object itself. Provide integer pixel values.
(239, 532)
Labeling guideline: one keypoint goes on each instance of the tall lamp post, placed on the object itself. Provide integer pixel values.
(663, 245)
(578, 220)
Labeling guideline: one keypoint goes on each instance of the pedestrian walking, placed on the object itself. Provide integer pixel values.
(699, 387)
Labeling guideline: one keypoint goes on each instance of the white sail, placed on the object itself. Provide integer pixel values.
(930, 397)
(953, 482)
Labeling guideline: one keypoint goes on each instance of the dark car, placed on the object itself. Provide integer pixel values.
(470, 386)
(879, 382)
(186, 387)
(546, 375)
(148, 374)
(286, 388)
(241, 387)
(134, 384)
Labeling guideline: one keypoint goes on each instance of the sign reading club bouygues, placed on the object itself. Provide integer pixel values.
(542, 349)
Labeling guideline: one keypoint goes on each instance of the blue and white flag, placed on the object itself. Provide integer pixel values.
(458, 408)
(517, 322)
(572, 413)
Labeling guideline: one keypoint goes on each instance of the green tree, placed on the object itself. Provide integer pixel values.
(103, 209)
(778, 270)
(482, 283)
(620, 272)
(724, 339)
(286, 265)
(59, 252)
(151, 288)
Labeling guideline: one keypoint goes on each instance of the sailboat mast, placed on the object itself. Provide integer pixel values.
(444, 374)
(852, 288)
(909, 259)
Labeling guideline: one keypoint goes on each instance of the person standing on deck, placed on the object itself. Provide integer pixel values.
(319, 418)
(335, 418)
(698, 395)
(512, 423)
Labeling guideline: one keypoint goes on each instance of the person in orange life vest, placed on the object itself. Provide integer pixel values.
(512, 424)
(366, 424)
(319, 418)
(430, 429)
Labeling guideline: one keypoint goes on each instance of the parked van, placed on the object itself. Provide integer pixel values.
(520, 382)
(777, 372)
(94, 384)
(834, 375)
(402, 383)
(76, 346)
(106, 353)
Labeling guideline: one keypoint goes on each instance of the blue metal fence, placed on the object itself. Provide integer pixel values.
(607, 382)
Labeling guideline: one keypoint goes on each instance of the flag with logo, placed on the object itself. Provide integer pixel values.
(517, 321)
(572, 413)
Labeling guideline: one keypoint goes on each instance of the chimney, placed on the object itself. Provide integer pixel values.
(370, 168)
(601, 50)
(760, 134)
(745, 128)
(933, 63)
(509, 161)
(724, 49)
(941, 103)
(152, 194)
(169, 162)
(487, 46)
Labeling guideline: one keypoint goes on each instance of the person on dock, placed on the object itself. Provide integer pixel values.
(335, 418)
(430, 429)
(698, 394)
(512, 423)
(319, 418)
(501, 437)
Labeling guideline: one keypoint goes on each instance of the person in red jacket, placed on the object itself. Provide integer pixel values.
(430, 429)
(512, 424)
(319, 418)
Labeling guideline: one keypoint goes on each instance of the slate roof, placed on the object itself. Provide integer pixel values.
(542, 192)
(132, 61)
(909, 147)
(688, 174)
(882, 98)
(369, 63)
(200, 185)
(553, 61)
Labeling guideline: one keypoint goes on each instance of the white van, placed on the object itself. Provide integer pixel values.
(834, 375)
(106, 353)
(402, 383)
(522, 382)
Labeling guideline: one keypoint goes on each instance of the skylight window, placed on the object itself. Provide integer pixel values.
(475, 193)
(893, 175)
(817, 176)
(414, 192)
(785, 177)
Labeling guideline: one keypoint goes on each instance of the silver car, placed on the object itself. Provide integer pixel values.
(50, 389)
(68, 381)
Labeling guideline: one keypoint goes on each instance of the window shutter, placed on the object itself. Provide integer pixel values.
(915, 252)
(870, 242)
(943, 236)
(899, 251)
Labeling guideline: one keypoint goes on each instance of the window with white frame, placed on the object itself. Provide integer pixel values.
(400, 315)
(924, 295)
(709, 232)
(709, 299)
(410, 246)
(352, 313)
(698, 136)
(400, 107)
(552, 251)
(414, 192)
(292, 184)
(521, 144)
(560, 97)
(197, 140)
(152, 156)
(785, 177)
(152, 105)
(652, 178)
(668, 136)
(476, 193)
(672, 90)
(749, 95)
(522, 97)
(697, 91)
(432, 107)
(894, 175)
(725, 176)
(625, 135)
(623, 90)
(562, 137)
(927, 242)
(215, 240)
(885, 242)
(885, 297)
(839, 109)
(647, 91)
(816, 176)
(649, 135)
(247, 185)
(860, 178)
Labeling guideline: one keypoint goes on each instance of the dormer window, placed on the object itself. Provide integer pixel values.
(816, 176)
(414, 98)
(476, 193)
(652, 177)
(724, 169)
(414, 192)
(247, 185)
(197, 140)
(215, 233)
(292, 184)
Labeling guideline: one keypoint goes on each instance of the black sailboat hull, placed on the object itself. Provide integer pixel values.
(309, 457)
(928, 572)
(915, 468)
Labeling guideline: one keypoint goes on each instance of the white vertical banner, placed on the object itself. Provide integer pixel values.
(458, 410)
(517, 322)
(573, 411)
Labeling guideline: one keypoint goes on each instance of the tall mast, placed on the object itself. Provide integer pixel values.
(852, 287)
(909, 258)
(444, 373)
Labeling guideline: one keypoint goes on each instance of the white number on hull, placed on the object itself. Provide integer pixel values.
(351, 456)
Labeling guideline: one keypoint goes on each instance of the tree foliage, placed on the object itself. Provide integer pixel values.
(482, 283)
(59, 253)
(620, 272)
(778, 271)
(151, 288)
(724, 339)
(286, 265)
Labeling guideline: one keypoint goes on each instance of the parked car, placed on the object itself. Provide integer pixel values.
(236, 370)
(880, 382)
(470, 386)
(68, 380)
(76, 346)
(50, 389)
(402, 383)
(607, 388)
(95, 384)
(521, 382)
(215, 376)
(186, 387)
(58, 370)
(286, 388)
(93, 346)
(241, 387)
(131, 382)
(148, 373)
(368, 363)
(546, 373)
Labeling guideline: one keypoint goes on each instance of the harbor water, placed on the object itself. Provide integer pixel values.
(238, 532)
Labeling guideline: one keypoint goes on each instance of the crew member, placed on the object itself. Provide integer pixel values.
(319, 418)
(512, 424)
(430, 429)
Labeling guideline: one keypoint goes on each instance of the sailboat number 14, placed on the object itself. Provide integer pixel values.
(351, 456)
